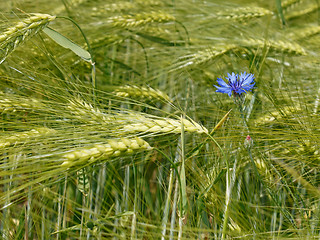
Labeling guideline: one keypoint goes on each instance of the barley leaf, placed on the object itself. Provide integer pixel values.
(67, 43)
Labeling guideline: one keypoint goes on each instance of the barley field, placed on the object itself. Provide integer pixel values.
(159, 119)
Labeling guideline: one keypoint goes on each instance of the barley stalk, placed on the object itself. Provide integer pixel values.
(141, 19)
(113, 148)
(24, 136)
(149, 93)
(12, 37)
(243, 13)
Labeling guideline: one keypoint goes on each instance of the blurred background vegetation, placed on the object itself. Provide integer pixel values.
(111, 127)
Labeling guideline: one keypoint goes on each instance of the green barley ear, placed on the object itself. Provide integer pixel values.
(106, 40)
(304, 32)
(290, 3)
(20, 138)
(274, 115)
(142, 93)
(131, 122)
(101, 152)
(120, 6)
(141, 19)
(86, 112)
(309, 8)
(275, 45)
(146, 125)
(243, 13)
(203, 56)
(10, 103)
(83, 184)
(12, 37)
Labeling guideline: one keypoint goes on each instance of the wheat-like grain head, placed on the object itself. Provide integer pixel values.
(304, 32)
(243, 13)
(15, 103)
(203, 56)
(142, 93)
(123, 6)
(300, 12)
(141, 19)
(12, 37)
(113, 148)
(131, 122)
(287, 4)
(23, 137)
(275, 45)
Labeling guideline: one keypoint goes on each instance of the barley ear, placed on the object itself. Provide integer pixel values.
(137, 92)
(12, 37)
(23, 137)
(113, 148)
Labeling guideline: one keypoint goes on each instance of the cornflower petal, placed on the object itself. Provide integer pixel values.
(222, 83)
(237, 83)
(224, 90)
(247, 78)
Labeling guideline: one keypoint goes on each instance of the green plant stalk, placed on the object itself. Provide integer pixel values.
(126, 189)
(29, 208)
(170, 187)
(99, 193)
(90, 200)
(174, 210)
(229, 187)
(5, 213)
(135, 204)
(100, 187)
(167, 205)
(82, 216)
(226, 210)
(64, 203)
(316, 102)
(125, 194)
(226, 214)
(238, 102)
(43, 222)
(183, 192)
(280, 11)
(117, 211)
(59, 217)
(230, 180)
(26, 231)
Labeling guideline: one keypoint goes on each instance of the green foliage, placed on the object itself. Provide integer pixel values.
(116, 132)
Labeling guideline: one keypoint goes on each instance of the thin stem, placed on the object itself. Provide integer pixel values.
(174, 210)
(167, 205)
(136, 192)
(183, 194)
(239, 102)
(229, 187)
(170, 187)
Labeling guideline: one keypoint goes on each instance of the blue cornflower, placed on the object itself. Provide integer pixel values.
(237, 84)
